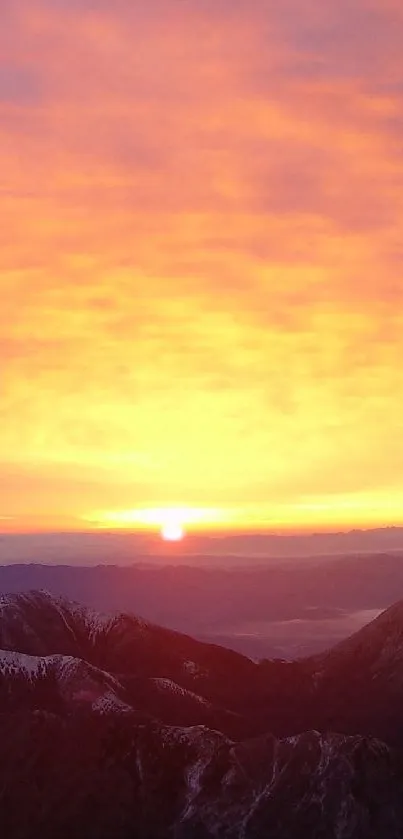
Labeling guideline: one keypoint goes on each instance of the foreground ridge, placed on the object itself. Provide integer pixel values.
(103, 776)
(113, 726)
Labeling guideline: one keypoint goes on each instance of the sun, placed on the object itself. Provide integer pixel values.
(172, 531)
(170, 521)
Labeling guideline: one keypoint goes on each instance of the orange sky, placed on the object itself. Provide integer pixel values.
(201, 260)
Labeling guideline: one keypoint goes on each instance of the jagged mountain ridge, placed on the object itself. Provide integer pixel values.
(103, 776)
(64, 684)
(38, 623)
(57, 683)
(357, 687)
(286, 609)
(100, 758)
(119, 660)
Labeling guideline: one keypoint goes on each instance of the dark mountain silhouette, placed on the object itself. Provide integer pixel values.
(113, 726)
(107, 776)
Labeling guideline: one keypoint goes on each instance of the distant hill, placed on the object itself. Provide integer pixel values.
(282, 610)
(124, 548)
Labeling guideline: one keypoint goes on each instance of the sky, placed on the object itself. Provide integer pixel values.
(201, 263)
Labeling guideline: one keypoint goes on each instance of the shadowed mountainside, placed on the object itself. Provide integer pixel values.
(357, 687)
(110, 725)
(104, 776)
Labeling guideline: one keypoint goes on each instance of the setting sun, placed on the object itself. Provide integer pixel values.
(172, 531)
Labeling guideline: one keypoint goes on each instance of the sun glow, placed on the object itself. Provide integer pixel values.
(171, 521)
(319, 512)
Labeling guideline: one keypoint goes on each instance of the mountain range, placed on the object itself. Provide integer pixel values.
(112, 726)
(103, 546)
(283, 610)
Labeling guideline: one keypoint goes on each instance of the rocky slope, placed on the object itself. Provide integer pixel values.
(57, 683)
(112, 726)
(61, 647)
(357, 687)
(149, 660)
(104, 776)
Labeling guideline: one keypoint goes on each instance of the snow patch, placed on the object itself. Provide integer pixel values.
(172, 687)
(29, 664)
